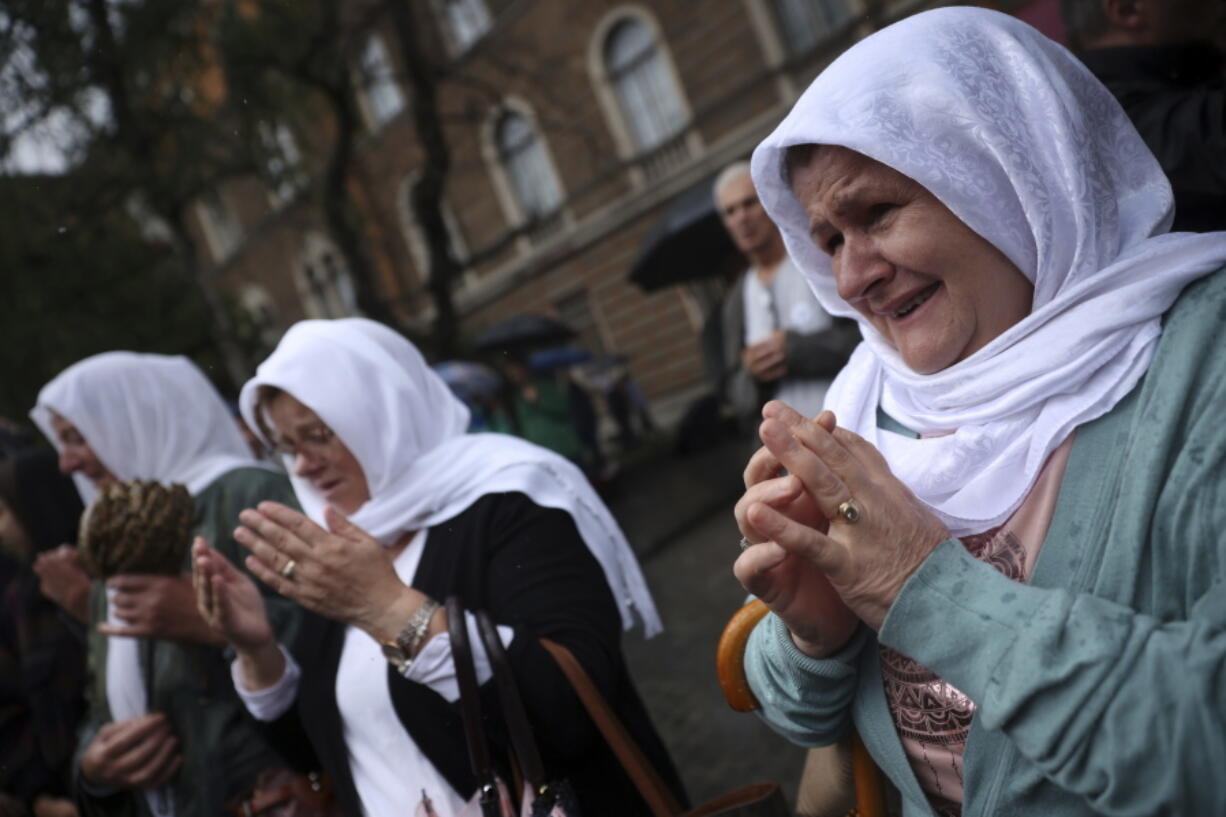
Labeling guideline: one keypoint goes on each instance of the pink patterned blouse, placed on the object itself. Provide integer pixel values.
(931, 715)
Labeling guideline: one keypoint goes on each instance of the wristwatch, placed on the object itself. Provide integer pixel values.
(400, 651)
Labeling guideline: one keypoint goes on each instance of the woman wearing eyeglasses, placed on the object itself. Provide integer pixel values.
(165, 733)
(402, 509)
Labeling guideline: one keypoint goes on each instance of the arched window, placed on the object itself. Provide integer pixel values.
(258, 325)
(805, 22)
(283, 162)
(324, 282)
(530, 174)
(465, 21)
(415, 238)
(222, 230)
(378, 92)
(646, 93)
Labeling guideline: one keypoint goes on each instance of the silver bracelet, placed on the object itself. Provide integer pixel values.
(419, 623)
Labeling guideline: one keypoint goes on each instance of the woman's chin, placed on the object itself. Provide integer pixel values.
(926, 359)
(346, 505)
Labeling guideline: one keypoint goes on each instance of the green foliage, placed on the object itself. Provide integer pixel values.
(189, 91)
(78, 281)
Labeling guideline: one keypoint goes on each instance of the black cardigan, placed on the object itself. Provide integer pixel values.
(529, 568)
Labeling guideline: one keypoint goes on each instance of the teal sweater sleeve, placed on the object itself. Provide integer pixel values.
(806, 700)
(1115, 705)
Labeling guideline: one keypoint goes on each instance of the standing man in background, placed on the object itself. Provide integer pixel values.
(778, 343)
(1159, 60)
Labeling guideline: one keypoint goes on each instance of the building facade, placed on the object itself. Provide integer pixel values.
(572, 128)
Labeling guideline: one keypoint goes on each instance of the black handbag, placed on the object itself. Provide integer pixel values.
(556, 797)
(542, 795)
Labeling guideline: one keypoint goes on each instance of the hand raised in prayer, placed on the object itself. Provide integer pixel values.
(157, 607)
(343, 573)
(228, 600)
(62, 579)
(867, 562)
(231, 604)
(793, 587)
(139, 753)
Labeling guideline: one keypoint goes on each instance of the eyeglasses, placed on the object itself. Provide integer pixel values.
(311, 442)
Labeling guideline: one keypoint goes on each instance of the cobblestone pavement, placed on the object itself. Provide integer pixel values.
(715, 748)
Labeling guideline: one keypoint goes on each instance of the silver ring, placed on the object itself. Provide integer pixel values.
(288, 570)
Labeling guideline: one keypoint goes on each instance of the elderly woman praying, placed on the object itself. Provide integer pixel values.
(402, 509)
(1000, 555)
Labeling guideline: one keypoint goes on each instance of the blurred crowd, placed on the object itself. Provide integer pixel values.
(958, 240)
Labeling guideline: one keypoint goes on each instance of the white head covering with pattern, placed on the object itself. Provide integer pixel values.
(1016, 137)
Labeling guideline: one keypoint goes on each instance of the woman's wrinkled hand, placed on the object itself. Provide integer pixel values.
(62, 580)
(867, 562)
(793, 587)
(343, 573)
(228, 599)
(231, 604)
(139, 753)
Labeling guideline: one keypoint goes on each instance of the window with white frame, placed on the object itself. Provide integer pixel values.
(379, 92)
(415, 237)
(153, 228)
(527, 167)
(646, 93)
(324, 282)
(805, 22)
(258, 324)
(284, 161)
(222, 230)
(465, 22)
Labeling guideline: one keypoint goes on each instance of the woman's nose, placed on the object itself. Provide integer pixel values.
(69, 461)
(859, 268)
(305, 465)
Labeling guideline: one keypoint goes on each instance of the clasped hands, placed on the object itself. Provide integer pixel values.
(822, 577)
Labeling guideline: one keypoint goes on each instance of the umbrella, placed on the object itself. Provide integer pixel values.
(547, 360)
(471, 382)
(522, 331)
(689, 242)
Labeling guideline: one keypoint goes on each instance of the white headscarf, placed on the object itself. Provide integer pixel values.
(407, 430)
(1017, 138)
(146, 417)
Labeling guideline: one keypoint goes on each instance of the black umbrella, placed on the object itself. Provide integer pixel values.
(522, 331)
(688, 243)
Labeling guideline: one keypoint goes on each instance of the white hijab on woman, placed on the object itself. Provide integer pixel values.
(1017, 138)
(407, 430)
(150, 417)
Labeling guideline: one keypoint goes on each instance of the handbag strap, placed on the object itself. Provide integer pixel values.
(470, 706)
(659, 797)
(513, 713)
